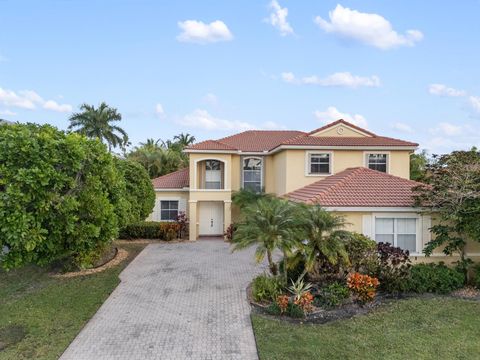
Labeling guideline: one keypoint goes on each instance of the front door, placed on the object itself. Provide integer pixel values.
(211, 218)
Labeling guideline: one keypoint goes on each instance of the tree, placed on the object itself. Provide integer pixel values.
(452, 193)
(184, 139)
(247, 197)
(97, 123)
(269, 224)
(61, 196)
(418, 165)
(324, 244)
(139, 190)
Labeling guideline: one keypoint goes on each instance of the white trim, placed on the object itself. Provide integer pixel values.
(195, 163)
(365, 162)
(443, 255)
(210, 151)
(307, 163)
(192, 201)
(171, 189)
(211, 190)
(311, 133)
(262, 170)
(377, 209)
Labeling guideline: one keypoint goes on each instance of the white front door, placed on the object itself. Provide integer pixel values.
(211, 218)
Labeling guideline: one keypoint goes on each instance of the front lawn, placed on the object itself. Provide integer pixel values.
(46, 313)
(408, 329)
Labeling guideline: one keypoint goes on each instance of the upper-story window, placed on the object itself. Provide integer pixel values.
(319, 163)
(252, 173)
(377, 162)
(213, 174)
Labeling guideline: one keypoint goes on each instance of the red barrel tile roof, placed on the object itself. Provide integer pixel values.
(175, 180)
(357, 187)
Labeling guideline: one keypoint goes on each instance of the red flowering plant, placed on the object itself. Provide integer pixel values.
(182, 222)
(364, 287)
(282, 302)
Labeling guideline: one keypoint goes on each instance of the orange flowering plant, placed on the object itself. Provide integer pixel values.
(305, 302)
(363, 286)
(282, 302)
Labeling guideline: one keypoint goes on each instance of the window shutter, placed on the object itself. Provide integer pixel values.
(367, 226)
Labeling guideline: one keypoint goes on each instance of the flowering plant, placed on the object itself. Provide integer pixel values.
(363, 286)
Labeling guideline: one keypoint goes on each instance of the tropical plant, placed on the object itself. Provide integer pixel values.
(184, 140)
(269, 224)
(299, 288)
(266, 288)
(332, 295)
(393, 269)
(248, 197)
(363, 286)
(324, 245)
(96, 123)
(61, 196)
(418, 165)
(434, 278)
(362, 252)
(282, 302)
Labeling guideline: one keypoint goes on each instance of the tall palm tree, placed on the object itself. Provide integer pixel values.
(184, 139)
(324, 236)
(270, 224)
(97, 123)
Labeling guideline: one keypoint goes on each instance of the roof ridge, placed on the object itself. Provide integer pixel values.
(172, 173)
(342, 121)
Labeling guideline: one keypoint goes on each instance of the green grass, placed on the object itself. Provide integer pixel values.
(438, 328)
(50, 311)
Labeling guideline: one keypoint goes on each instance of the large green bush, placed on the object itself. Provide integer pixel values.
(266, 288)
(151, 230)
(60, 196)
(434, 278)
(140, 193)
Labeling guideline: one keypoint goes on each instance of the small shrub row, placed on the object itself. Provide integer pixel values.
(151, 230)
(332, 295)
(434, 278)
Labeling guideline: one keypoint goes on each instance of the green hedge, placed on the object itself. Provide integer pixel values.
(151, 230)
(434, 278)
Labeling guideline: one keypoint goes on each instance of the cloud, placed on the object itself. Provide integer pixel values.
(340, 79)
(159, 111)
(474, 102)
(7, 113)
(333, 114)
(445, 128)
(202, 119)
(402, 127)
(54, 106)
(198, 32)
(29, 99)
(210, 99)
(278, 18)
(443, 90)
(370, 29)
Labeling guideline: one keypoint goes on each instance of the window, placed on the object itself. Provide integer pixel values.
(168, 210)
(400, 232)
(319, 164)
(252, 174)
(377, 162)
(213, 174)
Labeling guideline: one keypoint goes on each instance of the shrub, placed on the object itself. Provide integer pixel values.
(362, 252)
(61, 196)
(282, 302)
(434, 278)
(299, 288)
(295, 311)
(274, 309)
(476, 276)
(182, 222)
(151, 230)
(363, 286)
(230, 232)
(332, 295)
(266, 288)
(305, 302)
(139, 190)
(394, 268)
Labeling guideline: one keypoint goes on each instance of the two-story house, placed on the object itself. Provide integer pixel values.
(352, 171)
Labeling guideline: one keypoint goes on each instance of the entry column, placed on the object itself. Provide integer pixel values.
(192, 229)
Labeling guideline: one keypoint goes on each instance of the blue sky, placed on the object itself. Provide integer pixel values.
(406, 69)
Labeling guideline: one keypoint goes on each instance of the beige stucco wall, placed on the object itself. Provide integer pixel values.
(182, 196)
(193, 171)
(333, 132)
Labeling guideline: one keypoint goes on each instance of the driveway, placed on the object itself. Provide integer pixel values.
(175, 301)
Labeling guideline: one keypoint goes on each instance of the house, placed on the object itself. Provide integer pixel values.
(352, 171)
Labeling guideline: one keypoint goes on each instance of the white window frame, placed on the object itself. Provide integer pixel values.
(308, 155)
(226, 176)
(418, 228)
(367, 153)
(169, 200)
(243, 170)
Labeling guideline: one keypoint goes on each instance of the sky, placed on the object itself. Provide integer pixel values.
(405, 69)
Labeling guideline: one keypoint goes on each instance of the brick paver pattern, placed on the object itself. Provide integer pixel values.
(175, 301)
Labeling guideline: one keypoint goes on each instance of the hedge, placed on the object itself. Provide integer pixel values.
(434, 278)
(151, 230)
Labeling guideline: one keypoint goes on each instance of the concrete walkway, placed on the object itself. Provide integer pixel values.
(175, 301)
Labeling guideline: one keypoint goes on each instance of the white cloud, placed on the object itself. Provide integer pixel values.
(210, 99)
(402, 127)
(474, 102)
(371, 29)
(29, 99)
(7, 113)
(278, 18)
(198, 32)
(332, 114)
(445, 128)
(159, 111)
(341, 79)
(54, 106)
(443, 90)
(202, 119)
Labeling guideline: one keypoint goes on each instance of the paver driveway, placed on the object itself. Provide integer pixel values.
(175, 301)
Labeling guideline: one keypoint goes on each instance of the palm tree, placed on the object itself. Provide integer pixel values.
(270, 224)
(324, 236)
(184, 139)
(96, 123)
(246, 197)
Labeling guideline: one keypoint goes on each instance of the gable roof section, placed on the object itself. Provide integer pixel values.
(348, 141)
(357, 187)
(176, 180)
(338, 122)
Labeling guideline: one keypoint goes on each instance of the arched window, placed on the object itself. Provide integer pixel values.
(252, 173)
(213, 174)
